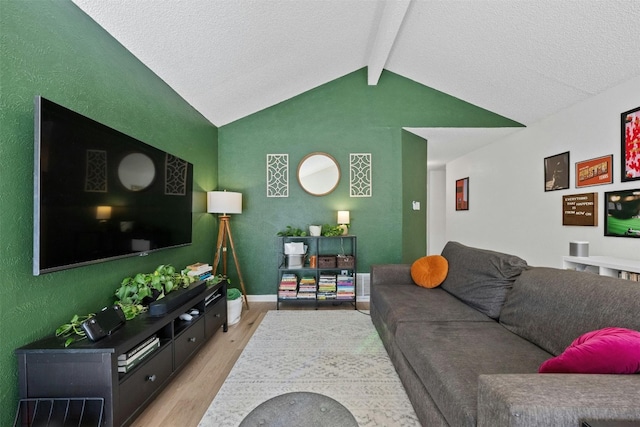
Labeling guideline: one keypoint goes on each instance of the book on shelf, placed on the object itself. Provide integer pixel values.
(204, 276)
(288, 282)
(326, 295)
(125, 366)
(129, 354)
(199, 269)
(629, 275)
(287, 294)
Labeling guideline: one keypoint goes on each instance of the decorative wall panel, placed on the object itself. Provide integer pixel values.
(360, 175)
(96, 175)
(277, 175)
(175, 176)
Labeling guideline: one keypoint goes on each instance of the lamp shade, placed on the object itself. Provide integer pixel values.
(103, 212)
(343, 217)
(225, 202)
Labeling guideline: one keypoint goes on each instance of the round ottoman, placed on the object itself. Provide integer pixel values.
(301, 409)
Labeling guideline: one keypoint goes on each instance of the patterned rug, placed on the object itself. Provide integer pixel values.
(332, 352)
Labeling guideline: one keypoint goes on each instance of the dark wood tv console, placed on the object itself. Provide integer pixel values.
(88, 369)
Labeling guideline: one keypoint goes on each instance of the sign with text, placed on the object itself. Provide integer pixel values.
(595, 171)
(580, 209)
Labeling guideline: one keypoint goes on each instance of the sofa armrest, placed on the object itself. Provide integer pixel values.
(391, 274)
(519, 400)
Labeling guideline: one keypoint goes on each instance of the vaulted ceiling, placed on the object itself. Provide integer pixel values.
(523, 59)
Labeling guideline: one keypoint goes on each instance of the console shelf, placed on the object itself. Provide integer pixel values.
(602, 265)
(90, 369)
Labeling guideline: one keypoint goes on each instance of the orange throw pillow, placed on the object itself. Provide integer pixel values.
(430, 271)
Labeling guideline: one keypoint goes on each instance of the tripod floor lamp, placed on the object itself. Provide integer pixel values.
(225, 203)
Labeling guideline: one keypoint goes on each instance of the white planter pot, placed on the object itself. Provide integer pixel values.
(234, 311)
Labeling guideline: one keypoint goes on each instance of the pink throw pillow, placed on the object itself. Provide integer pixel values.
(605, 351)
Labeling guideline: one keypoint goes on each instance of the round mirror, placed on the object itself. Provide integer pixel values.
(136, 171)
(318, 174)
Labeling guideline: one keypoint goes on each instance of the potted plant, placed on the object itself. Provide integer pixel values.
(133, 296)
(234, 306)
(136, 292)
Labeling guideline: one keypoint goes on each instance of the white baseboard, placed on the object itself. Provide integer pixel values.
(262, 298)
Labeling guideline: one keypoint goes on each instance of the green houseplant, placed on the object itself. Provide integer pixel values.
(134, 295)
(136, 292)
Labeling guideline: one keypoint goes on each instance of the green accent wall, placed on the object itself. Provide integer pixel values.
(51, 48)
(340, 117)
(414, 188)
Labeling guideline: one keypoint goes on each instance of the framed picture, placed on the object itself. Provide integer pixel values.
(596, 171)
(580, 209)
(630, 149)
(556, 172)
(622, 213)
(462, 194)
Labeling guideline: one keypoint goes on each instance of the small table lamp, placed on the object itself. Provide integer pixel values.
(343, 221)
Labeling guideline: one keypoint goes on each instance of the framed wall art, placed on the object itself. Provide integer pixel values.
(462, 194)
(556, 172)
(596, 171)
(580, 209)
(622, 213)
(630, 148)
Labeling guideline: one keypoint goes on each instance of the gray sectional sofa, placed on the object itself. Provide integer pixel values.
(468, 351)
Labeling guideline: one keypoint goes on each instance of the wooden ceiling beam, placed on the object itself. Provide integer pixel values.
(387, 30)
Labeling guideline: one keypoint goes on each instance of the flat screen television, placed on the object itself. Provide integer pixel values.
(622, 213)
(101, 195)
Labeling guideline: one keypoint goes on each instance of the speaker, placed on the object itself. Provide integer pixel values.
(175, 299)
(580, 249)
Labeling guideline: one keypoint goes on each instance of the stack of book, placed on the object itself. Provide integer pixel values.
(131, 359)
(200, 270)
(346, 289)
(327, 286)
(288, 286)
(307, 288)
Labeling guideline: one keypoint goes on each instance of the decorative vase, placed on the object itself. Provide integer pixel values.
(315, 230)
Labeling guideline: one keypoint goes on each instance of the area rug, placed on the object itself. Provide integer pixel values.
(332, 352)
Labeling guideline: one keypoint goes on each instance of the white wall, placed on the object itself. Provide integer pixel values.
(436, 219)
(509, 210)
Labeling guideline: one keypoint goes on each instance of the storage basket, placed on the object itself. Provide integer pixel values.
(326, 261)
(346, 261)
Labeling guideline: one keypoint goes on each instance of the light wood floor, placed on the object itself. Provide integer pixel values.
(189, 394)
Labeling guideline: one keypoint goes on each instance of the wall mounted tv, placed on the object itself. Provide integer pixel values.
(101, 195)
(622, 212)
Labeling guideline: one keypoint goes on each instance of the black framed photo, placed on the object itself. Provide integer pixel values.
(630, 144)
(622, 213)
(556, 172)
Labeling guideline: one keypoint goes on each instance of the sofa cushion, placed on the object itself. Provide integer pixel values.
(551, 307)
(410, 303)
(480, 277)
(605, 351)
(448, 357)
(429, 271)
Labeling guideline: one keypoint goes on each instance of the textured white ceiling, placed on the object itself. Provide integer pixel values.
(523, 59)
